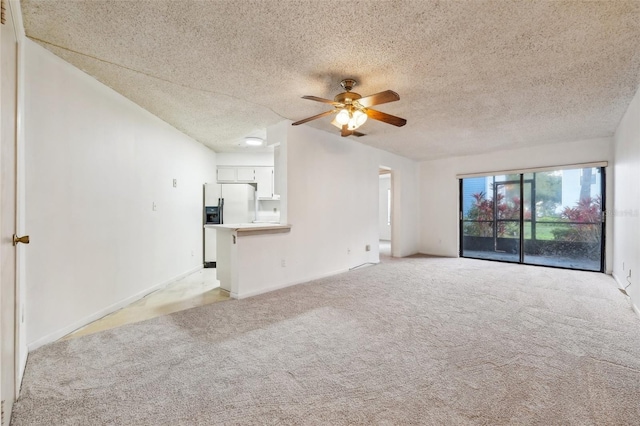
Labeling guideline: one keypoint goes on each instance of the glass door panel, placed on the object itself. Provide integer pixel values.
(490, 225)
(507, 207)
(567, 228)
(477, 217)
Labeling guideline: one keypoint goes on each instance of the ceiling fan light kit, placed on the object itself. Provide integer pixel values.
(352, 110)
(343, 117)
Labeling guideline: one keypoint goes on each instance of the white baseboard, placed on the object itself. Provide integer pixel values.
(289, 284)
(620, 285)
(22, 365)
(52, 337)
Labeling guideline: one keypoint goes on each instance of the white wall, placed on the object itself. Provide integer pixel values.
(331, 194)
(383, 206)
(626, 209)
(440, 191)
(96, 163)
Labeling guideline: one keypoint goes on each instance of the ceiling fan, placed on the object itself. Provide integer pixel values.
(352, 110)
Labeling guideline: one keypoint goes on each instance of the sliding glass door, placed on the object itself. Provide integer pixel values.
(550, 218)
(491, 225)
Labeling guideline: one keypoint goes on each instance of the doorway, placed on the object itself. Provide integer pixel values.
(549, 218)
(385, 211)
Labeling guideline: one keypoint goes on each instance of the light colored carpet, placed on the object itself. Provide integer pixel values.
(410, 341)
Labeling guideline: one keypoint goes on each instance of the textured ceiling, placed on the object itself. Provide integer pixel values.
(473, 76)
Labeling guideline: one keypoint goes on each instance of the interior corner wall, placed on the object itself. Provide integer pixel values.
(626, 208)
(95, 165)
(440, 190)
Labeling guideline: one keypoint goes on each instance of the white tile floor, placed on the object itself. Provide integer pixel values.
(197, 289)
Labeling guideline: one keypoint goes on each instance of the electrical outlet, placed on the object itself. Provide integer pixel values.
(154, 206)
(192, 253)
(283, 263)
(175, 183)
(367, 247)
(348, 251)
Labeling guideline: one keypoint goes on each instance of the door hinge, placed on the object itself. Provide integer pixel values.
(3, 15)
(2, 412)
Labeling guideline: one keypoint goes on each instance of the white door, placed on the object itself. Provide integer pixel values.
(8, 126)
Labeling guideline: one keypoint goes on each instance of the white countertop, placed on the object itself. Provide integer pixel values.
(252, 228)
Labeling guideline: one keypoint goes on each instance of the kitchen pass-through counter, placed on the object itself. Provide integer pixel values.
(236, 255)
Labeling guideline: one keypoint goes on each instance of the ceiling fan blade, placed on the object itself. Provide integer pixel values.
(323, 100)
(386, 118)
(358, 134)
(323, 114)
(379, 98)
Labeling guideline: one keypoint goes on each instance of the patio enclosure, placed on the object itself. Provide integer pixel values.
(551, 218)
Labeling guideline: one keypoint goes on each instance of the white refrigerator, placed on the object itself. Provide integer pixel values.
(236, 204)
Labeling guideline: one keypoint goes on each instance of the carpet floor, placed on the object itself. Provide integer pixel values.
(410, 341)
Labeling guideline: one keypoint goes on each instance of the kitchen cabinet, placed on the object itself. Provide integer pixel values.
(261, 175)
(246, 174)
(235, 174)
(227, 174)
(264, 179)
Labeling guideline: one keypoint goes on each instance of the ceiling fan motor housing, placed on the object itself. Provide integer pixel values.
(347, 97)
(348, 84)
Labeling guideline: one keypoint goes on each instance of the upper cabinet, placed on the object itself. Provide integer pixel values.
(246, 174)
(260, 175)
(264, 179)
(227, 174)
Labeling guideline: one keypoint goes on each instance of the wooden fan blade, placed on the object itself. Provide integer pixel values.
(358, 134)
(324, 114)
(323, 100)
(386, 118)
(379, 98)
